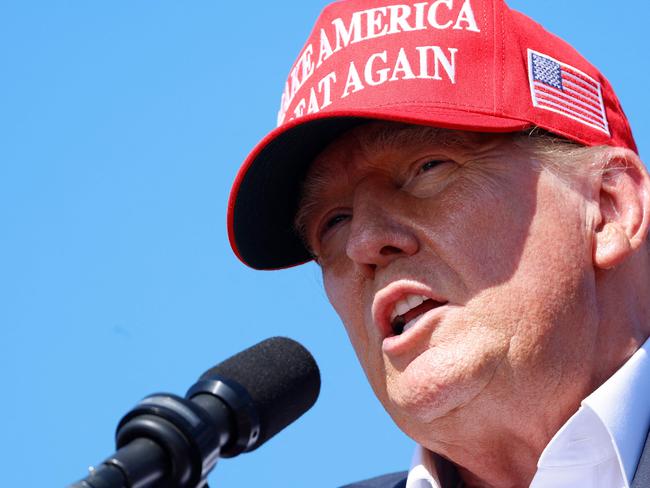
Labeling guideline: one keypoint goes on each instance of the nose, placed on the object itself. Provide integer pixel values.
(380, 229)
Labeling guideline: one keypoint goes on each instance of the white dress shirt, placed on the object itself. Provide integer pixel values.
(598, 447)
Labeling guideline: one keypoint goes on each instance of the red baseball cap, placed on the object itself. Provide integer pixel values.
(470, 65)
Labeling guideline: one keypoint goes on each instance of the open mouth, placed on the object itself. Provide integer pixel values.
(408, 310)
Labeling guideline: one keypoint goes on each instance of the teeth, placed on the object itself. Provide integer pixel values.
(410, 324)
(406, 304)
(402, 307)
(415, 300)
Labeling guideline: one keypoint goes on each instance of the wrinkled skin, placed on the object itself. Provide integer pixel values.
(474, 221)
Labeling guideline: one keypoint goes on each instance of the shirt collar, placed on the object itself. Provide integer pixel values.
(622, 404)
(610, 426)
(422, 474)
(428, 470)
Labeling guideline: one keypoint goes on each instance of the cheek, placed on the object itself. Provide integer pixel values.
(478, 230)
(345, 293)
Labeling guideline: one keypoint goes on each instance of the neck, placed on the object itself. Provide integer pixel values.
(492, 454)
(624, 313)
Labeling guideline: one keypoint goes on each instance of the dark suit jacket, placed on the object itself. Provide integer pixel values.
(642, 476)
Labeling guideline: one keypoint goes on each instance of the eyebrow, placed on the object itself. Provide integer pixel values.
(393, 136)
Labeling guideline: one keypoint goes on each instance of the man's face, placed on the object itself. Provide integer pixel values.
(484, 258)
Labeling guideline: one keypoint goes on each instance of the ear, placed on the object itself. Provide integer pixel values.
(624, 204)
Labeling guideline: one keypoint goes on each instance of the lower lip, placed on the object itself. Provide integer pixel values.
(404, 342)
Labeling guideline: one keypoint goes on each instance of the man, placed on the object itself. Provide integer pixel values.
(470, 187)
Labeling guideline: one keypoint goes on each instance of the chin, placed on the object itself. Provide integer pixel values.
(435, 385)
(420, 407)
(423, 399)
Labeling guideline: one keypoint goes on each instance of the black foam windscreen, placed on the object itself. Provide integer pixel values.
(280, 375)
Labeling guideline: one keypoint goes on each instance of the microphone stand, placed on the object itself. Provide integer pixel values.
(168, 441)
(111, 473)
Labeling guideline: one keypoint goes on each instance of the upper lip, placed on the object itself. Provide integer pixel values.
(386, 298)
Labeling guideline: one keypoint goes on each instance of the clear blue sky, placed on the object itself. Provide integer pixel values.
(122, 124)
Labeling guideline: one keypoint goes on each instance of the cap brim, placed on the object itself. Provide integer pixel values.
(266, 192)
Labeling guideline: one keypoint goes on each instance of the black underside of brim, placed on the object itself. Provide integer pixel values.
(269, 194)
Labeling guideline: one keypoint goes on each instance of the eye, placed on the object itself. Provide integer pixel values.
(329, 224)
(333, 221)
(430, 164)
(428, 174)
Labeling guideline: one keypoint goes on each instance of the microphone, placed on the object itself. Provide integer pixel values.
(167, 441)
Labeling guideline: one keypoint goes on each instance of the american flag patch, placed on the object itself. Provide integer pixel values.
(560, 88)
